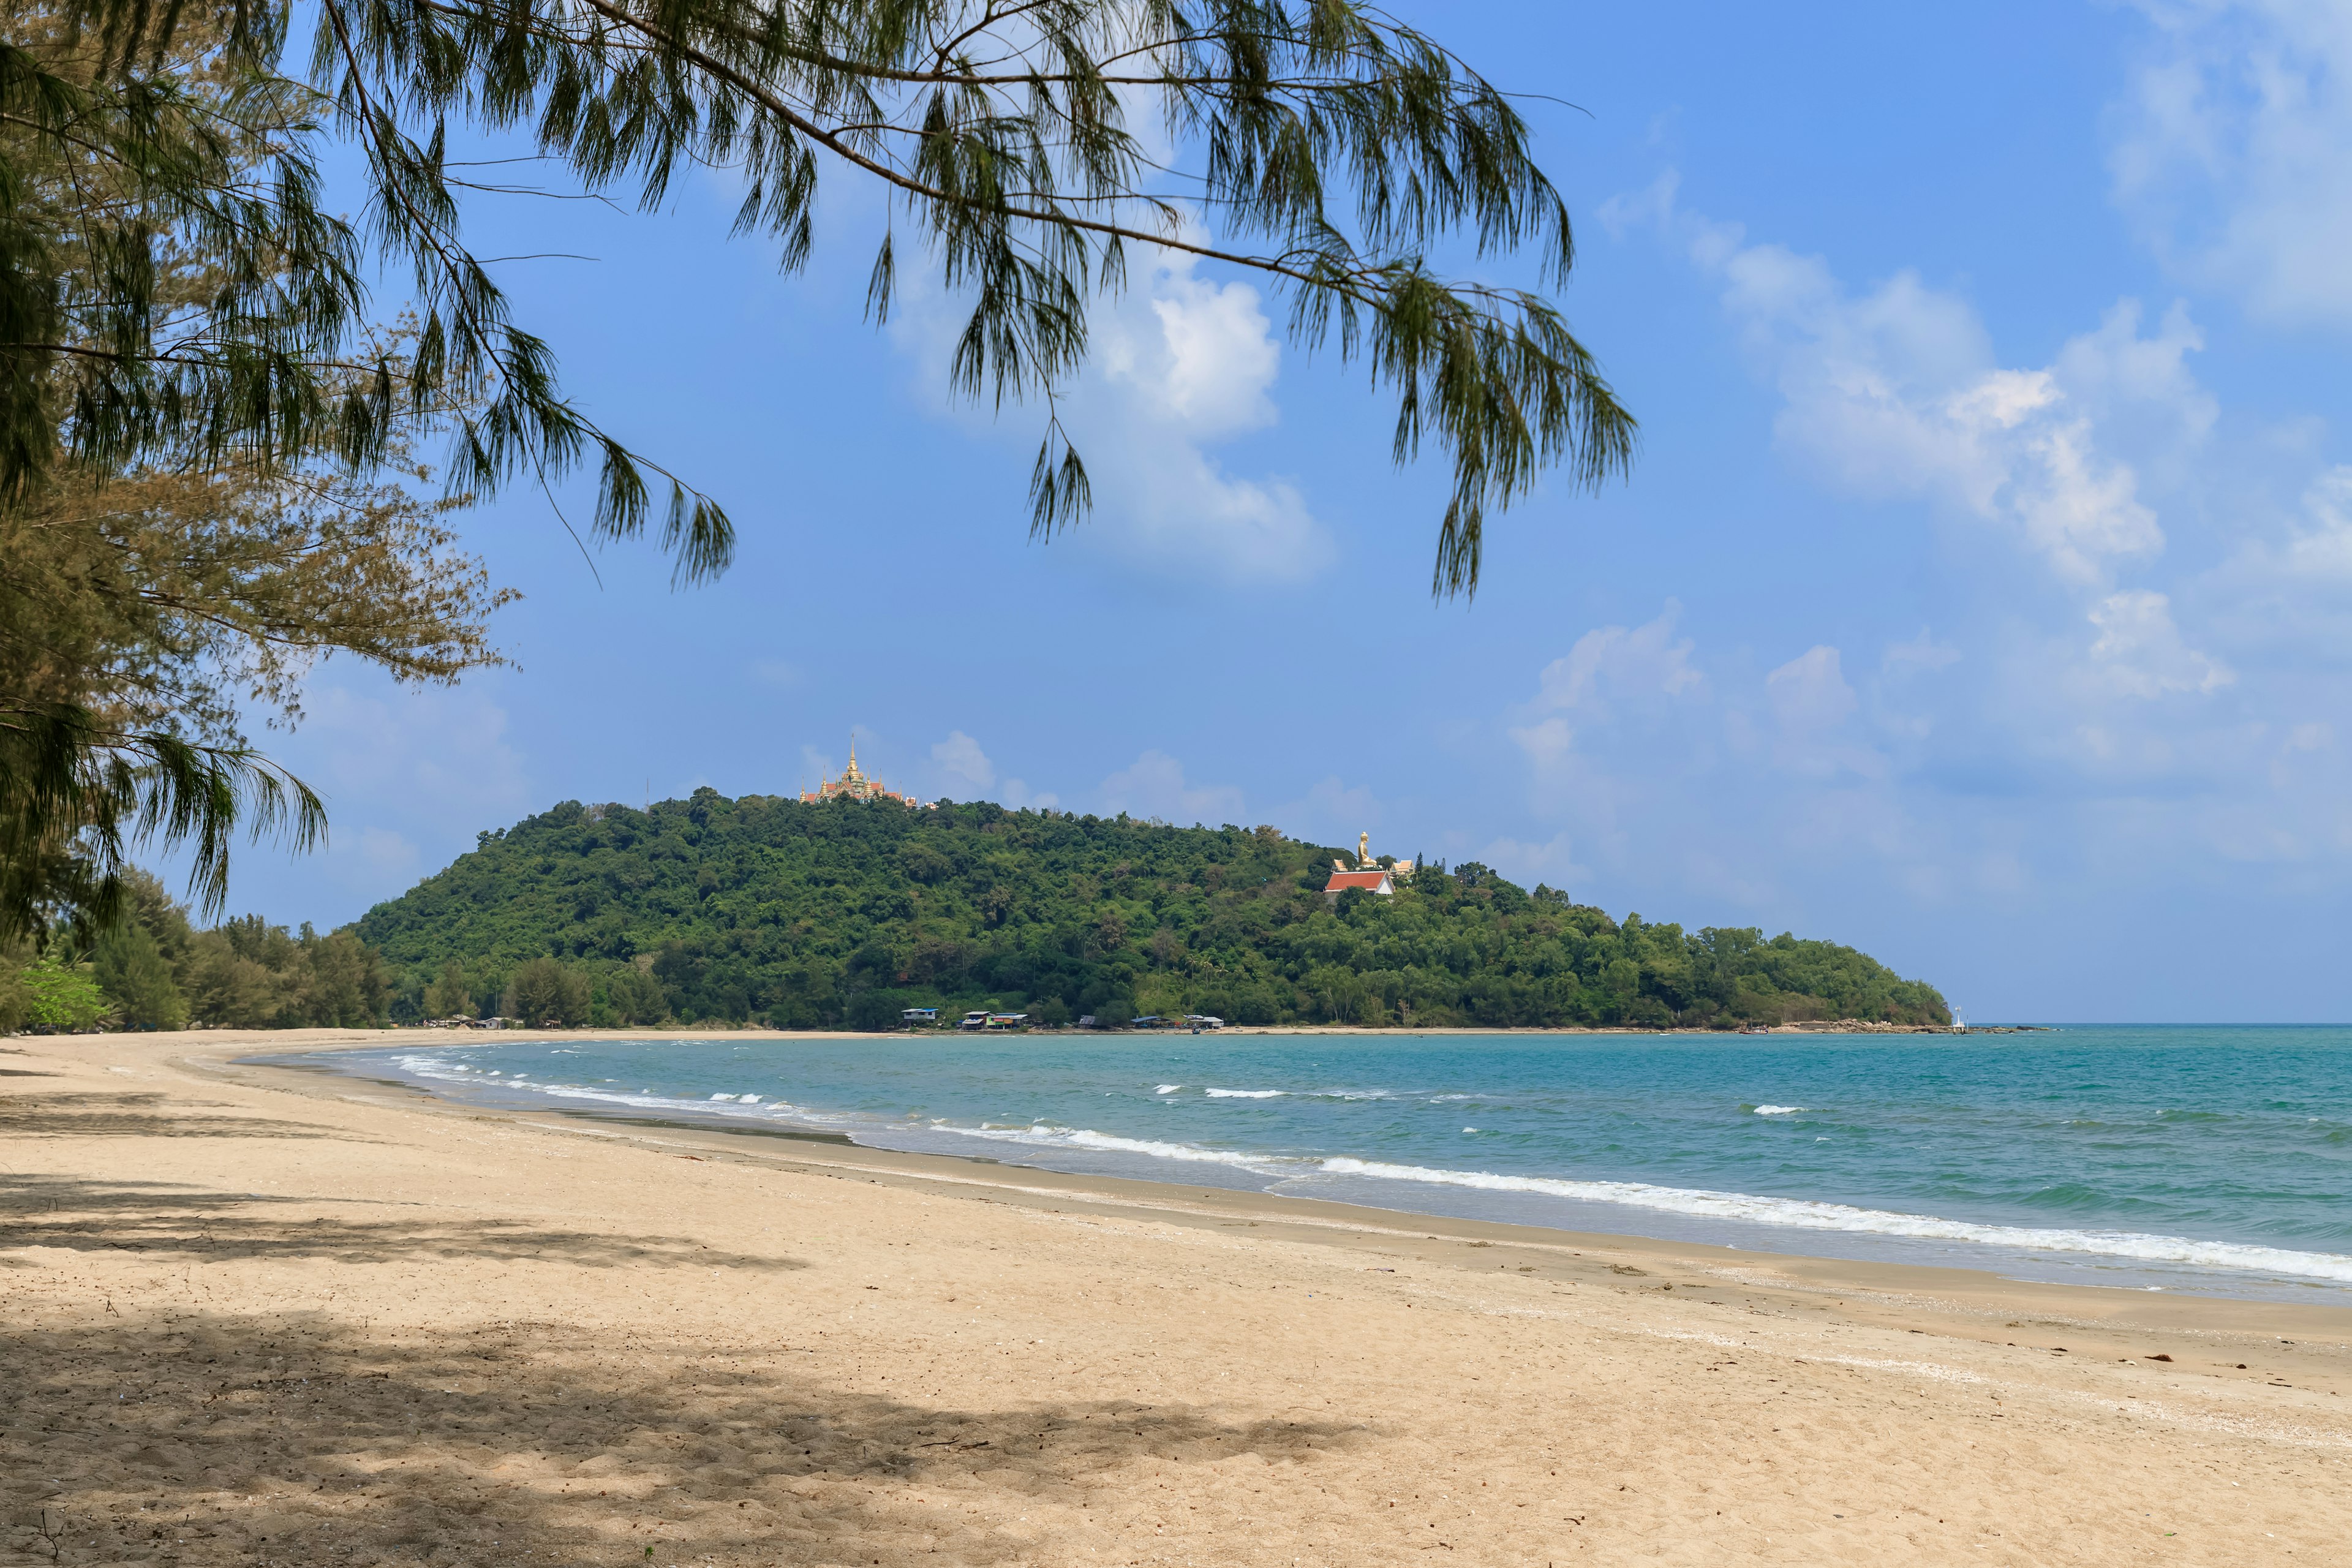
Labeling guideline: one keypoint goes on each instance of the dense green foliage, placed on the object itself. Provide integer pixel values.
(771, 910)
(154, 970)
(55, 996)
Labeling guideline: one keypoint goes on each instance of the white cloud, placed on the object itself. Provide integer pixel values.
(442, 755)
(1548, 743)
(968, 774)
(1020, 796)
(2139, 652)
(1894, 392)
(1636, 664)
(387, 854)
(1921, 653)
(1154, 785)
(2287, 589)
(2233, 150)
(1809, 694)
(1615, 683)
(2325, 548)
(1334, 812)
(776, 672)
(964, 765)
(1179, 365)
(1813, 707)
(2318, 553)
(1552, 861)
(1205, 360)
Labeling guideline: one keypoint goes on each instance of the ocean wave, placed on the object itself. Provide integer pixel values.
(1809, 1215)
(1796, 1214)
(1167, 1089)
(732, 1106)
(1048, 1137)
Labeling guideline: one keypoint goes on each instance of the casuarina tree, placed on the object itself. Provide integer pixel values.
(210, 311)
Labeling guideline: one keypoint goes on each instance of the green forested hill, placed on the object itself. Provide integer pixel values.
(768, 910)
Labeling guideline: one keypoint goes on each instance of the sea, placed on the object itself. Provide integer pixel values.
(2209, 1159)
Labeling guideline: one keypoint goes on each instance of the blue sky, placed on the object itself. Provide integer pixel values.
(1980, 598)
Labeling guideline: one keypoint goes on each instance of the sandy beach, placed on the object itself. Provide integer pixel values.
(264, 1316)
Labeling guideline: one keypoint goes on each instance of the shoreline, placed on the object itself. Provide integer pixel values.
(260, 1312)
(699, 1031)
(1026, 1183)
(1735, 1220)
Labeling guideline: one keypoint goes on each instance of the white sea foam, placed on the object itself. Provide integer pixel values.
(1793, 1213)
(1245, 1093)
(1049, 1137)
(1777, 1110)
(647, 1100)
(1167, 1089)
(1807, 1215)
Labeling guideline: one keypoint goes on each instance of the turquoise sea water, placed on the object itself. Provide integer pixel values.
(2216, 1160)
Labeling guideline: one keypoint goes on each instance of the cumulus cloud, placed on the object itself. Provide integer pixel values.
(1618, 689)
(1334, 812)
(966, 773)
(1892, 391)
(2139, 651)
(1552, 861)
(1809, 695)
(1922, 653)
(2232, 150)
(1661, 762)
(1181, 363)
(1618, 663)
(1154, 785)
(962, 763)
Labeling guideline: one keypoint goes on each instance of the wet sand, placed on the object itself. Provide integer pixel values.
(259, 1315)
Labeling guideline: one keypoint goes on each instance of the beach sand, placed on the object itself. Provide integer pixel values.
(262, 1316)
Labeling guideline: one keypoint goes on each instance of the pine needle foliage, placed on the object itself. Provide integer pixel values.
(175, 299)
(193, 414)
(176, 292)
(1027, 146)
(74, 793)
